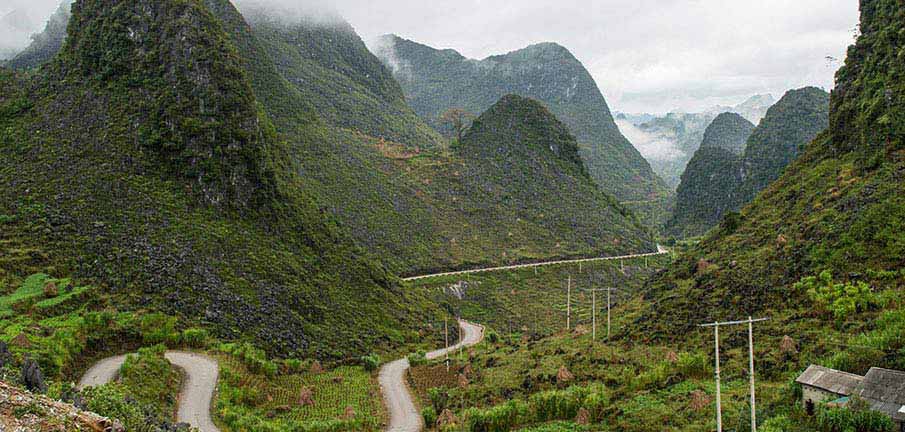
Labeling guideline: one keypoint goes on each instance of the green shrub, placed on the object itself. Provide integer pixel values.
(110, 401)
(294, 365)
(857, 417)
(195, 338)
(840, 299)
(417, 358)
(429, 415)
(370, 362)
(439, 397)
(556, 405)
(157, 328)
(695, 365)
(501, 418)
(493, 337)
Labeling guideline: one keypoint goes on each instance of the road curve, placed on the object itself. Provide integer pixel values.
(660, 251)
(197, 392)
(404, 417)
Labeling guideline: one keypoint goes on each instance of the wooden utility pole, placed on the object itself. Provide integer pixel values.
(716, 338)
(569, 304)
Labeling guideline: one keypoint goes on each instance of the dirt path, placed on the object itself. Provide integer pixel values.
(404, 417)
(197, 392)
(660, 251)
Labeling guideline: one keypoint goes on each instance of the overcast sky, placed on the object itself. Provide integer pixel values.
(646, 55)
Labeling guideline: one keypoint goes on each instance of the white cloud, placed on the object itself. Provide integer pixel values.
(652, 147)
(646, 55)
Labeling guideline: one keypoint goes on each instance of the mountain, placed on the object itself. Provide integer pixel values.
(752, 109)
(669, 141)
(375, 167)
(789, 125)
(435, 81)
(837, 209)
(711, 183)
(46, 44)
(417, 205)
(139, 159)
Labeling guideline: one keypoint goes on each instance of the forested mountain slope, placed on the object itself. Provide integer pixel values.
(788, 127)
(435, 81)
(139, 159)
(711, 182)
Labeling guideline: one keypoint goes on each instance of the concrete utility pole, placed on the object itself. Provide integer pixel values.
(716, 338)
(569, 304)
(594, 312)
(446, 331)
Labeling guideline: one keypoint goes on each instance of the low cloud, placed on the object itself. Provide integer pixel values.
(653, 147)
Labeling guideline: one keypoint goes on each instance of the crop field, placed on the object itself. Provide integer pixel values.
(342, 398)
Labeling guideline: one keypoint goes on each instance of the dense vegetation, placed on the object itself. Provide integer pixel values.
(711, 182)
(788, 127)
(435, 81)
(719, 182)
(140, 161)
(836, 212)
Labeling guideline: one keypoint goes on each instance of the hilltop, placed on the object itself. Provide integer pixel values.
(435, 81)
(710, 184)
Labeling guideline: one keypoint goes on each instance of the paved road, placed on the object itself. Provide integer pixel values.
(404, 417)
(660, 251)
(197, 393)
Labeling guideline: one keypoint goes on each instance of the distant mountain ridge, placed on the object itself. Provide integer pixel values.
(684, 131)
(437, 80)
(756, 157)
(710, 185)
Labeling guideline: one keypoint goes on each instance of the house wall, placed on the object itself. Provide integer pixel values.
(816, 395)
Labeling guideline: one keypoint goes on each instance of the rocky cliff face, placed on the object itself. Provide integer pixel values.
(435, 81)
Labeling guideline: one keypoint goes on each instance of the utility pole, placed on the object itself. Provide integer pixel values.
(608, 314)
(446, 332)
(594, 315)
(569, 304)
(751, 372)
(716, 338)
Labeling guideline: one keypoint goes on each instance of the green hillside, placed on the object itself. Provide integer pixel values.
(787, 128)
(417, 205)
(838, 208)
(435, 81)
(711, 181)
(139, 160)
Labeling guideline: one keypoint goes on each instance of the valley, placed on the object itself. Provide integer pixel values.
(262, 216)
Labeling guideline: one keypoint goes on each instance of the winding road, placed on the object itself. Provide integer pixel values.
(197, 391)
(404, 417)
(201, 371)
